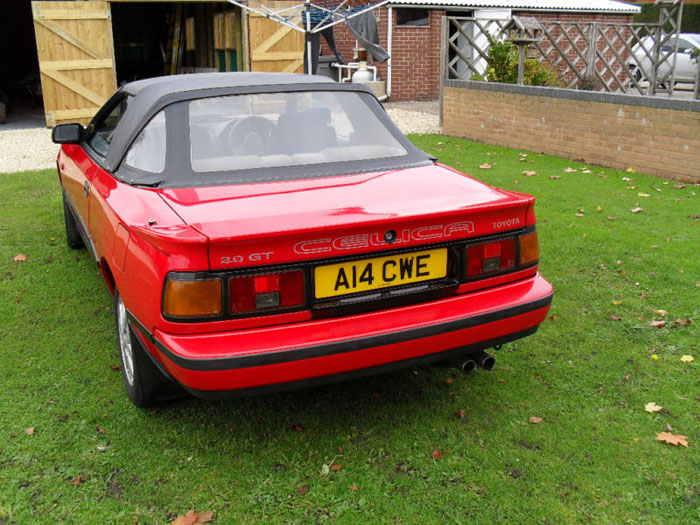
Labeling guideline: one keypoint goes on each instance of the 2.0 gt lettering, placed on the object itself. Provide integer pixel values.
(252, 257)
(366, 240)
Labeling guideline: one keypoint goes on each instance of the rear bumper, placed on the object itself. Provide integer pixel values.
(314, 352)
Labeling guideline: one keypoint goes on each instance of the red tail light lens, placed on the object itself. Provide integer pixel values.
(253, 293)
(492, 257)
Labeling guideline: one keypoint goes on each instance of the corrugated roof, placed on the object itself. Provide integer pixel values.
(606, 6)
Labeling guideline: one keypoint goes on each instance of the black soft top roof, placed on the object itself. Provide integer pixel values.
(153, 94)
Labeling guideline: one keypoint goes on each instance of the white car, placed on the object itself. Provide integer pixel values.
(641, 63)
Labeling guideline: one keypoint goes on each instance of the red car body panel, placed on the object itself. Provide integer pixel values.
(220, 353)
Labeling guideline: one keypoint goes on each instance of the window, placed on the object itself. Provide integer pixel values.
(103, 129)
(412, 17)
(272, 130)
(147, 153)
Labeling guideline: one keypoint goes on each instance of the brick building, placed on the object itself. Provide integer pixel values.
(413, 37)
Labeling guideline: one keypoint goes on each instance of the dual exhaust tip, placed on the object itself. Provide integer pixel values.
(480, 359)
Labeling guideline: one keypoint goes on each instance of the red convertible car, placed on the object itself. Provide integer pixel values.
(264, 231)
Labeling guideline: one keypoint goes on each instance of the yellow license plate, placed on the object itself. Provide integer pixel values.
(381, 272)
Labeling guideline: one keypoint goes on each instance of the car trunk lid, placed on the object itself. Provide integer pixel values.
(251, 225)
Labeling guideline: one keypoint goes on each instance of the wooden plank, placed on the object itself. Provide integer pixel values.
(65, 35)
(279, 55)
(273, 39)
(74, 114)
(71, 65)
(74, 86)
(72, 15)
(294, 67)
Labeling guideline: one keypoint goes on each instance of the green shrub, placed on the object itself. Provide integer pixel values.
(503, 67)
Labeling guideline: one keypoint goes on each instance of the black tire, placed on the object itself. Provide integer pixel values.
(73, 238)
(142, 380)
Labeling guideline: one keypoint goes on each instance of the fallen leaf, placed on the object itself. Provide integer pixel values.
(662, 313)
(658, 323)
(354, 487)
(627, 377)
(485, 166)
(652, 407)
(99, 429)
(669, 428)
(376, 395)
(191, 518)
(586, 171)
(29, 431)
(336, 468)
(626, 179)
(535, 420)
(617, 303)
(436, 454)
(555, 176)
(570, 170)
(630, 170)
(614, 317)
(599, 209)
(612, 218)
(302, 490)
(297, 428)
(78, 481)
(20, 257)
(325, 470)
(115, 367)
(529, 173)
(672, 439)
(636, 210)
(682, 322)
(640, 194)
(687, 358)
(679, 186)
(460, 413)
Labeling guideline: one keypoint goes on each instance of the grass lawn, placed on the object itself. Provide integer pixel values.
(588, 373)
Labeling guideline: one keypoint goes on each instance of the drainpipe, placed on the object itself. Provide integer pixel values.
(390, 22)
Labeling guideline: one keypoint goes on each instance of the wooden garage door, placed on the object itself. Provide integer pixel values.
(76, 58)
(273, 46)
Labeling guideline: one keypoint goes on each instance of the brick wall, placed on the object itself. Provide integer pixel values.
(651, 135)
(415, 64)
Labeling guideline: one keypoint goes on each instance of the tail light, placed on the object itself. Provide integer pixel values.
(254, 293)
(192, 298)
(501, 256)
(491, 257)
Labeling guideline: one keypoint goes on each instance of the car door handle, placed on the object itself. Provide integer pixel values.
(86, 188)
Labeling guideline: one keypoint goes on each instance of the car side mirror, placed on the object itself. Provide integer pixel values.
(67, 134)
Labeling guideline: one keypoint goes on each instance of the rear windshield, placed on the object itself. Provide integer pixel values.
(271, 130)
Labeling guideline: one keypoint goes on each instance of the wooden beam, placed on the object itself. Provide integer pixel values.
(70, 114)
(65, 35)
(50, 14)
(74, 86)
(273, 39)
(293, 66)
(68, 65)
(279, 55)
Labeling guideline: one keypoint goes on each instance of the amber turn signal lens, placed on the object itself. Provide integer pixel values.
(529, 248)
(192, 298)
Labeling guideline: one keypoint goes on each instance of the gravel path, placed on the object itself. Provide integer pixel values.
(32, 149)
(26, 149)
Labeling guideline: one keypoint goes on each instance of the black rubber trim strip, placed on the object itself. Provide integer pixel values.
(352, 345)
(213, 395)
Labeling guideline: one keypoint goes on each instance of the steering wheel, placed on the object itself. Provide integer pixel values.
(248, 136)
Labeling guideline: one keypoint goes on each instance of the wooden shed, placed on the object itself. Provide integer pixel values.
(86, 48)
